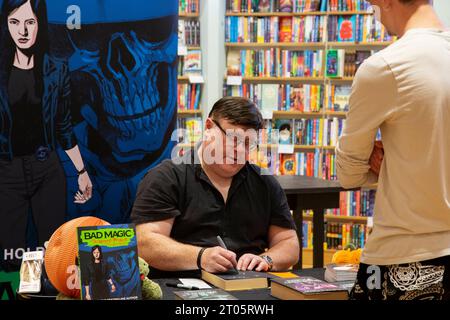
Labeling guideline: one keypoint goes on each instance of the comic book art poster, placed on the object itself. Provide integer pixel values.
(108, 259)
(87, 107)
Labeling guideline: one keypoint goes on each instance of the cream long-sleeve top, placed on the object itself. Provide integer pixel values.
(403, 90)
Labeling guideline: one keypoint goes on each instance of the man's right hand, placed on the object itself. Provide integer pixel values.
(218, 260)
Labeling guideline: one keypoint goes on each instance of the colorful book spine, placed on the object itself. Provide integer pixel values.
(356, 28)
(291, 97)
(276, 62)
(189, 96)
(188, 6)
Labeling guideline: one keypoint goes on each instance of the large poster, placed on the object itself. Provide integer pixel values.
(88, 82)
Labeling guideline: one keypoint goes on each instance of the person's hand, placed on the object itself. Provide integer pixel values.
(218, 259)
(113, 288)
(88, 296)
(250, 262)
(376, 158)
(85, 189)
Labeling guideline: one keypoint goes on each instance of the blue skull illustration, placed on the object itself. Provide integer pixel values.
(124, 82)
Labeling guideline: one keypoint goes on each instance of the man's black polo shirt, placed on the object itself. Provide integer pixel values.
(184, 192)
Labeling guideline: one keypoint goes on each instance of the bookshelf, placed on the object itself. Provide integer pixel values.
(190, 73)
(262, 47)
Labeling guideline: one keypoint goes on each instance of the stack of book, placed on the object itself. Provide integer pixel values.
(341, 272)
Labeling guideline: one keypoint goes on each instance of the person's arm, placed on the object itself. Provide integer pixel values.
(84, 182)
(283, 250)
(67, 139)
(111, 284)
(372, 102)
(162, 252)
(88, 295)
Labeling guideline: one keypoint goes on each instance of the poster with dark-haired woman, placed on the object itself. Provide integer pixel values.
(87, 107)
(35, 121)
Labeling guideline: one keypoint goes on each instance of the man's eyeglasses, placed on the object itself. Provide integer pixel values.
(236, 140)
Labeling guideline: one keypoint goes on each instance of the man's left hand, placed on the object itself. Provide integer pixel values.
(249, 262)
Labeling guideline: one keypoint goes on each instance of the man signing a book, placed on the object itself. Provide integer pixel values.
(184, 204)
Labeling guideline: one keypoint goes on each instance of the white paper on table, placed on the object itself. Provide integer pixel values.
(234, 80)
(195, 283)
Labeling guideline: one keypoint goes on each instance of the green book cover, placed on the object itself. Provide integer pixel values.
(332, 63)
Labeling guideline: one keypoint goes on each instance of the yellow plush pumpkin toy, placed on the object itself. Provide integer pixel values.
(349, 255)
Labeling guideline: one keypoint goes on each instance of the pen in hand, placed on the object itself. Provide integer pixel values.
(222, 244)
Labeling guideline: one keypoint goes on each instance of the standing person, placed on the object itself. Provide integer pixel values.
(404, 91)
(98, 284)
(34, 118)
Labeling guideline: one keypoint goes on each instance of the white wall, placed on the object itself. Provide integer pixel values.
(212, 28)
(443, 10)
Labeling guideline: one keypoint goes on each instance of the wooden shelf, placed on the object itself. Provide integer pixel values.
(290, 79)
(342, 79)
(295, 14)
(188, 15)
(301, 114)
(283, 79)
(282, 45)
(344, 219)
(309, 45)
(274, 14)
(193, 48)
(296, 114)
(189, 112)
(348, 13)
(297, 147)
(359, 45)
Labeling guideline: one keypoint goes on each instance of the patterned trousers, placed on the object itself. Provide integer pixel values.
(425, 280)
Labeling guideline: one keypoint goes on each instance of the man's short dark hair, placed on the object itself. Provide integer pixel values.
(238, 111)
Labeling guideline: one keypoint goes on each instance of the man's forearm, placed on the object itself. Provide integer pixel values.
(284, 254)
(164, 253)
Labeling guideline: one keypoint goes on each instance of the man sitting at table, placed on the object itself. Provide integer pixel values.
(181, 208)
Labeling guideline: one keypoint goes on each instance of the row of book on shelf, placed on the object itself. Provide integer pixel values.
(276, 62)
(274, 29)
(188, 6)
(337, 235)
(305, 132)
(293, 97)
(304, 29)
(189, 96)
(356, 28)
(188, 33)
(296, 5)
